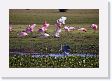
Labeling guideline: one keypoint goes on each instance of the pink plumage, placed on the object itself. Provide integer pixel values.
(82, 29)
(66, 28)
(22, 34)
(94, 26)
(30, 28)
(44, 27)
(33, 26)
(69, 28)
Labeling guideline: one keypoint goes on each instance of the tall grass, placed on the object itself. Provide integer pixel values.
(80, 42)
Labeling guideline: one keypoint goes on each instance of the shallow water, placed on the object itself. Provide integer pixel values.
(54, 55)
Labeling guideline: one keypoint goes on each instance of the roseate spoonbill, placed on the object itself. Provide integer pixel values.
(59, 23)
(44, 27)
(30, 28)
(72, 28)
(45, 24)
(66, 28)
(94, 27)
(22, 34)
(82, 29)
(69, 28)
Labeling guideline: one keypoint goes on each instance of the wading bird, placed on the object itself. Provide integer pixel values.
(30, 28)
(82, 29)
(59, 23)
(94, 27)
(69, 28)
(43, 29)
(45, 26)
(65, 49)
(22, 34)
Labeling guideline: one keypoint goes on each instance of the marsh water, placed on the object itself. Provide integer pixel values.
(54, 54)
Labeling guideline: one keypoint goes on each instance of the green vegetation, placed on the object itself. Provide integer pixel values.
(83, 16)
(79, 42)
(52, 62)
